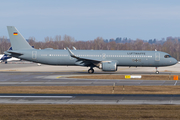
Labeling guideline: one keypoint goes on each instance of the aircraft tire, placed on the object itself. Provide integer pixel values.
(157, 72)
(91, 71)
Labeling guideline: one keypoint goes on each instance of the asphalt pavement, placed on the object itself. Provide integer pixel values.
(29, 74)
(129, 99)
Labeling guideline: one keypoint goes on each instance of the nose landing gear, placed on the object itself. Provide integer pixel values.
(157, 72)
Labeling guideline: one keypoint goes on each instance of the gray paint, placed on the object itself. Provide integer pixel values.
(91, 58)
(17, 39)
(62, 57)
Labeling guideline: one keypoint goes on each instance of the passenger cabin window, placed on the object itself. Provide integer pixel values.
(167, 56)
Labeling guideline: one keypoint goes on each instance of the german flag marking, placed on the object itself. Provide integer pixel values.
(15, 33)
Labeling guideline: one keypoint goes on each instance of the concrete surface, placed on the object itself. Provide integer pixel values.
(33, 67)
(89, 99)
(29, 74)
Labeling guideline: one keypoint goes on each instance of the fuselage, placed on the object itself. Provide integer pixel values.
(121, 57)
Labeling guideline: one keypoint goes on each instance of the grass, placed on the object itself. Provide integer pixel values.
(89, 112)
(91, 89)
(144, 77)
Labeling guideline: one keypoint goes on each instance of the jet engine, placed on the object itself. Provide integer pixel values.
(108, 66)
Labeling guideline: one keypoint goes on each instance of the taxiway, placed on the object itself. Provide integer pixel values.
(53, 79)
(30, 74)
(89, 99)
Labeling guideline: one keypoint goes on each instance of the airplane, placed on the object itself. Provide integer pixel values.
(106, 60)
(5, 58)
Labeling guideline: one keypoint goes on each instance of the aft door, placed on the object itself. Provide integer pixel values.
(34, 54)
(157, 56)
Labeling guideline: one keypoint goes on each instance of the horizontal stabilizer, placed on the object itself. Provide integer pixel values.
(12, 53)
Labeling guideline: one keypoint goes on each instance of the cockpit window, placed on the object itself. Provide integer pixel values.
(167, 56)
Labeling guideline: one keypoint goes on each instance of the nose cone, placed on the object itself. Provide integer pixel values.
(173, 61)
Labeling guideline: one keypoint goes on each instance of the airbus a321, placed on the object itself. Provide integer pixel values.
(106, 60)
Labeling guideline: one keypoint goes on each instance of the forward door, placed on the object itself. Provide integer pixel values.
(157, 56)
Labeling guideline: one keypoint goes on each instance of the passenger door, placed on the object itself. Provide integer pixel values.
(34, 54)
(157, 56)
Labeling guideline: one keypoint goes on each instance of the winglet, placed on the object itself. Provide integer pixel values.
(74, 48)
(70, 52)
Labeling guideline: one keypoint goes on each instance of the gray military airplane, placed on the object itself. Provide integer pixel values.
(107, 60)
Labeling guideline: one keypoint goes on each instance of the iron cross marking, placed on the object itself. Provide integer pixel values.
(136, 60)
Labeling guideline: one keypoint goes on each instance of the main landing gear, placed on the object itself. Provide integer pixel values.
(91, 71)
(157, 72)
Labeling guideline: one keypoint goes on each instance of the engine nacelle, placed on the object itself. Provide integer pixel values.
(108, 66)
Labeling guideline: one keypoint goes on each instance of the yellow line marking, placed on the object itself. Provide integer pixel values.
(127, 76)
(9, 70)
(59, 77)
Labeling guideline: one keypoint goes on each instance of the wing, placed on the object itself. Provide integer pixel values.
(84, 61)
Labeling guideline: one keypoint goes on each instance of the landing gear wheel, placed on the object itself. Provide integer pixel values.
(157, 72)
(90, 71)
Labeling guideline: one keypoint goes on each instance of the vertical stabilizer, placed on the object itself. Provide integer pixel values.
(17, 40)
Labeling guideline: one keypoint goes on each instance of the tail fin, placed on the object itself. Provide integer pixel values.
(17, 40)
(5, 57)
(10, 48)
